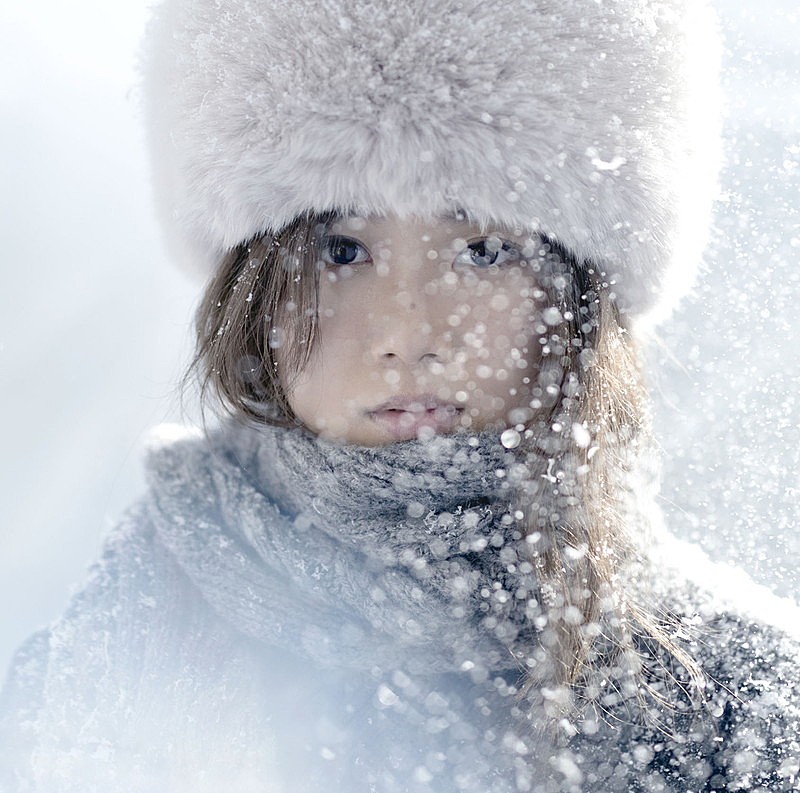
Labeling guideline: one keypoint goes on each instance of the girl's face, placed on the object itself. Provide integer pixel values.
(423, 328)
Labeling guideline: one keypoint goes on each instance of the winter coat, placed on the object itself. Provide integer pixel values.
(224, 643)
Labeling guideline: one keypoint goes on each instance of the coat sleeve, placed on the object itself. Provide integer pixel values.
(20, 702)
(755, 671)
(138, 688)
(746, 735)
(743, 735)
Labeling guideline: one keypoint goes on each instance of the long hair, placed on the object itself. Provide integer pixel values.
(585, 529)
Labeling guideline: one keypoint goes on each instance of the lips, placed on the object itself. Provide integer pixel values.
(403, 417)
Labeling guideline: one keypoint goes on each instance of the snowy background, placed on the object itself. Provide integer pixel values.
(94, 324)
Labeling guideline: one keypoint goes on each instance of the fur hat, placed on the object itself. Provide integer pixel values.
(593, 121)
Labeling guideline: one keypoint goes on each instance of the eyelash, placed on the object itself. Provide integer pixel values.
(465, 257)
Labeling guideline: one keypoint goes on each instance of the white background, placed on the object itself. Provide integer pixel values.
(95, 324)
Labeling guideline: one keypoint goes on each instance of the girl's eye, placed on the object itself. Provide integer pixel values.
(488, 251)
(338, 250)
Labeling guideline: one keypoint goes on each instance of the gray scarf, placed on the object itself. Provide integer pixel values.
(363, 558)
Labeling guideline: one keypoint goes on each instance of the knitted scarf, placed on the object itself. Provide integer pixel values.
(398, 556)
(381, 562)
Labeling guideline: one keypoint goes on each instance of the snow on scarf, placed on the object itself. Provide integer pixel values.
(351, 556)
(160, 677)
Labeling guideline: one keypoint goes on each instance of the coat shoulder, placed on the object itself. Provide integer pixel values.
(753, 672)
(740, 731)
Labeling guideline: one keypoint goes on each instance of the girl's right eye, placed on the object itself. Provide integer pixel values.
(337, 250)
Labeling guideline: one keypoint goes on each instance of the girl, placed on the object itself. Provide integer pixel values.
(414, 555)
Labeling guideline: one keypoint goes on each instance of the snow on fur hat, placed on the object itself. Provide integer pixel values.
(592, 121)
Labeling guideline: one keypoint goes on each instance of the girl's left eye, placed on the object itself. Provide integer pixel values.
(488, 251)
(337, 250)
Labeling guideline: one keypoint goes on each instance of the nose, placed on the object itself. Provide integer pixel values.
(403, 329)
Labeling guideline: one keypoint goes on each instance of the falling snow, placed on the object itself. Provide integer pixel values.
(141, 673)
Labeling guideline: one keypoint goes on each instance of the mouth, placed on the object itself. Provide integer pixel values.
(406, 418)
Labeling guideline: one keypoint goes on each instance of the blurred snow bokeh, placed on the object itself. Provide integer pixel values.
(726, 384)
(94, 324)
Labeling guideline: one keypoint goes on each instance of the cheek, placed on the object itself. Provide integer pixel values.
(504, 329)
(340, 311)
(334, 364)
(510, 354)
(338, 349)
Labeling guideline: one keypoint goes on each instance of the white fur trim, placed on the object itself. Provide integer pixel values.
(595, 121)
